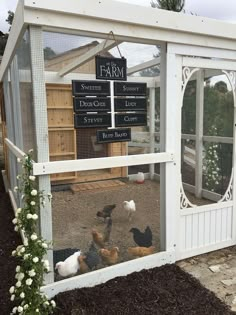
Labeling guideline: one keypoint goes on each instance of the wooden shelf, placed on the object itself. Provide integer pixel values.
(60, 107)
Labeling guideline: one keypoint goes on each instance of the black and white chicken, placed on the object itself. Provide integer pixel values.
(143, 239)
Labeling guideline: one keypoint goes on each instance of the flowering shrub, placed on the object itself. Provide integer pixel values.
(26, 293)
(211, 163)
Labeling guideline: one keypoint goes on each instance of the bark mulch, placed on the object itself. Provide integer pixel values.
(164, 290)
(9, 240)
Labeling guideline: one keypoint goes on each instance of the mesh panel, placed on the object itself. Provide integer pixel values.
(25, 90)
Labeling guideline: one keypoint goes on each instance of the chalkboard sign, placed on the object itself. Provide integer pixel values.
(131, 119)
(92, 120)
(129, 104)
(130, 89)
(110, 68)
(90, 88)
(114, 135)
(92, 104)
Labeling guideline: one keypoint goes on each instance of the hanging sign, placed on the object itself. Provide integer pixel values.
(114, 135)
(129, 104)
(110, 68)
(92, 104)
(131, 119)
(90, 88)
(92, 120)
(130, 89)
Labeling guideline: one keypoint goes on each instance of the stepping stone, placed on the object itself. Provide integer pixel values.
(229, 282)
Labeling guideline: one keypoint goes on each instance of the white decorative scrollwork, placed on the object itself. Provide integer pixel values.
(186, 75)
(229, 192)
(231, 75)
(184, 202)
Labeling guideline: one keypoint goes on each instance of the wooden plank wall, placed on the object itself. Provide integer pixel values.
(62, 138)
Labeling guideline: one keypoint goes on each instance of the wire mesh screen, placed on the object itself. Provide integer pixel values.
(23, 63)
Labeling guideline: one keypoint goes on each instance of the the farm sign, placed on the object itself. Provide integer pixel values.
(113, 135)
(111, 68)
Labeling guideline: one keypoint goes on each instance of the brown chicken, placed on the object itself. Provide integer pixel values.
(109, 257)
(98, 238)
(141, 251)
(83, 267)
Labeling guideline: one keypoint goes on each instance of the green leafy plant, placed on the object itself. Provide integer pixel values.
(26, 293)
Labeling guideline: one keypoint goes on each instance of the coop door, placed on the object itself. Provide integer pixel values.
(207, 153)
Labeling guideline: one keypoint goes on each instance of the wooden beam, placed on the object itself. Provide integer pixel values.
(145, 65)
(103, 46)
(46, 168)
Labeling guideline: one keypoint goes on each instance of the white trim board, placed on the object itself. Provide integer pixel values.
(46, 168)
(103, 275)
(14, 149)
(204, 249)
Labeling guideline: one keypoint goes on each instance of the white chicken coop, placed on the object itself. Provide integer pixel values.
(178, 56)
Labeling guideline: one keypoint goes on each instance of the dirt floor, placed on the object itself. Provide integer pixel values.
(74, 215)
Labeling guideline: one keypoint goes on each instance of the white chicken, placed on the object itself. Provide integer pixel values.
(70, 266)
(130, 207)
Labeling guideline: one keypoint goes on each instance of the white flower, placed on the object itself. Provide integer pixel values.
(16, 229)
(26, 306)
(53, 303)
(12, 289)
(13, 253)
(13, 297)
(29, 216)
(20, 276)
(217, 182)
(35, 216)
(22, 295)
(18, 160)
(16, 189)
(29, 281)
(18, 210)
(32, 273)
(32, 178)
(44, 245)
(31, 151)
(26, 256)
(34, 192)
(14, 221)
(33, 237)
(26, 158)
(33, 203)
(18, 176)
(18, 284)
(37, 310)
(46, 303)
(14, 310)
(26, 243)
(49, 196)
(20, 309)
(35, 259)
(22, 250)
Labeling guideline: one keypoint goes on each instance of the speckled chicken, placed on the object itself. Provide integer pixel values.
(143, 239)
(92, 258)
(106, 212)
